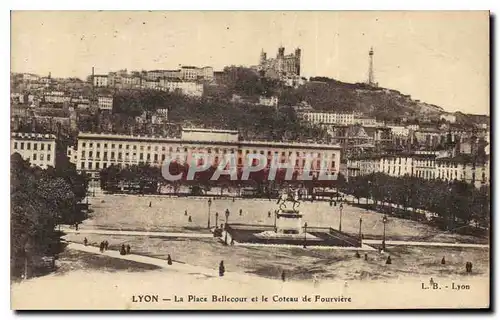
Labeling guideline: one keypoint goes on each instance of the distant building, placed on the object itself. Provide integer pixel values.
(365, 121)
(56, 97)
(131, 82)
(283, 66)
(30, 77)
(399, 131)
(105, 102)
(451, 118)
(189, 73)
(80, 99)
(100, 81)
(303, 106)
(97, 151)
(464, 168)
(206, 73)
(270, 102)
(162, 112)
(188, 88)
(318, 117)
(422, 165)
(160, 117)
(18, 98)
(151, 84)
(38, 149)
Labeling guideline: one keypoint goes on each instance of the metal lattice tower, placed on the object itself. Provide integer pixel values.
(371, 74)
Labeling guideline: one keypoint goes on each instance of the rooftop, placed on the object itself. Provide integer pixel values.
(88, 135)
(32, 135)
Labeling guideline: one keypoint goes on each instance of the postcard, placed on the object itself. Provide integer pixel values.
(250, 160)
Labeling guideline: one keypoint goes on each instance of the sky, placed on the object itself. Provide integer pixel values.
(437, 57)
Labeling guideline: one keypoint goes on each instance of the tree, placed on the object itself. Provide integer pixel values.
(39, 201)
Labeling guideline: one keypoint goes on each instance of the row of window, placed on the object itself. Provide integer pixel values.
(394, 160)
(388, 170)
(119, 156)
(425, 174)
(449, 165)
(40, 156)
(28, 145)
(209, 150)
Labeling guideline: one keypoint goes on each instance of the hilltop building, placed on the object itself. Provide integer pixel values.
(283, 66)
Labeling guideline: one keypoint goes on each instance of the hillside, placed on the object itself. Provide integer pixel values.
(384, 104)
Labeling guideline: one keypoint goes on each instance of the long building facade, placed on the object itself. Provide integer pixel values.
(97, 151)
(425, 166)
(39, 149)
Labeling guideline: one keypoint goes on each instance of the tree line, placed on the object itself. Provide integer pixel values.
(40, 200)
(455, 203)
(146, 179)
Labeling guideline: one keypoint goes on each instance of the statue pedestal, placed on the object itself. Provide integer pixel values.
(289, 222)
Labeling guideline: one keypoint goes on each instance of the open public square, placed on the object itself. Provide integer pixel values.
(115, 218)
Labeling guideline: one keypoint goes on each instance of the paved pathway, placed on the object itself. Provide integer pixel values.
(175, 266)
(366, 242)
(138, 233)
(427, 244)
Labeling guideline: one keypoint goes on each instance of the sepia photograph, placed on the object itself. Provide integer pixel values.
(250, 160)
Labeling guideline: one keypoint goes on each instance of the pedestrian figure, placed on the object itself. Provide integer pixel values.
(334, 203)
(431, 282)
(189, 219)
(468, 267)
(443, 261)
(233, 199)
(186, 213)
(357, 255)
(366, 257)
(241, 211)
(169, 260)
(150, 204)
(106, 244)
(283, 276)
(85, 242)
(331, 203)
(128, 249)
(222, 269)
(76, 226)
(101, 247)
(388, 261)
(122, 250)
(269, 214)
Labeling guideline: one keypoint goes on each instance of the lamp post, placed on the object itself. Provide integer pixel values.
(227, 217)
(360, 234)
(216, 219)
(369, 193)
(209, 205)
(450, 216)
(384, 220)
(305, 234)
(340, 223)
(275, 218)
